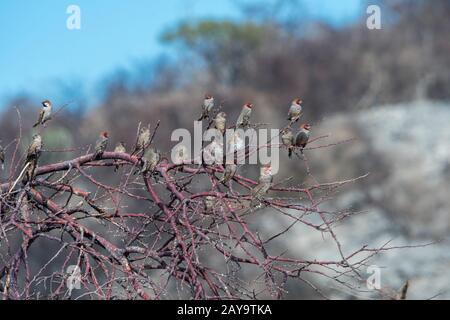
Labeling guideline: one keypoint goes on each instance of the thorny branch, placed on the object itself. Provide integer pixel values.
(158, 235)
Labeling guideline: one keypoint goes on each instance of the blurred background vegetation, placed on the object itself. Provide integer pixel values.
(270, 58)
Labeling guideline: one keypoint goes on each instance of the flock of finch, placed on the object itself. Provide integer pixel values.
(151, 157)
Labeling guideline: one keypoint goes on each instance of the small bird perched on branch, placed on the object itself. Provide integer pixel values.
(2, 157)
(230, 171)
(244, 118)
(265, 183)
(143, 139)
(151, 159)
(45, 113)
(287, 138)
(101, 144)
(220, 122)
(120, 147)
(302, 137)
(295, 110)
(208, 105)
(34, 149)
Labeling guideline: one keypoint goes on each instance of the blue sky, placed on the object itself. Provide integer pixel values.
(38, 53)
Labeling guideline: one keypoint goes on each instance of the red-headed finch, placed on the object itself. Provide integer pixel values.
(302, 137)
(208, 105)
(244, 117)
(265, 182)
(295, 110)
(101, 144)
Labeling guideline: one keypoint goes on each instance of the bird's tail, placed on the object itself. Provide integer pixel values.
(97, 154)
(36, 124)
(204, 115)
(290, 152)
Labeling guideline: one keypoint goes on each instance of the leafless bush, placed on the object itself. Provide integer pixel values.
(178, 232)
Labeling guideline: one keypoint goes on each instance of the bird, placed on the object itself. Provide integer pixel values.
(142, 140)
(220, 122)
(101, 144)
(244, 118)
(151, 159)
(45, 113)
(302, 137)
(2, 157)
(288, 139)
(295, 110)
(34, 149)
(208, 204)
(230, 170)
(208, 105)
(120, 148)
(264, 184)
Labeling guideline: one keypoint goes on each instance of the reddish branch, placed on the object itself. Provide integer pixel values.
(157, 236)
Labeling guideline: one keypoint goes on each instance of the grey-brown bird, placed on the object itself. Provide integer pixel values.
(2, 157)
(220, 122)
(265, 183)
(45, 113)
(151, 159)
(302, 137)
(295, 110)
(230, 171)
(287, 138)
(143, 139)
(120, 148)
(208, 105)
(101, 144)
(34, 149)
(244, 118)
(208, 204)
